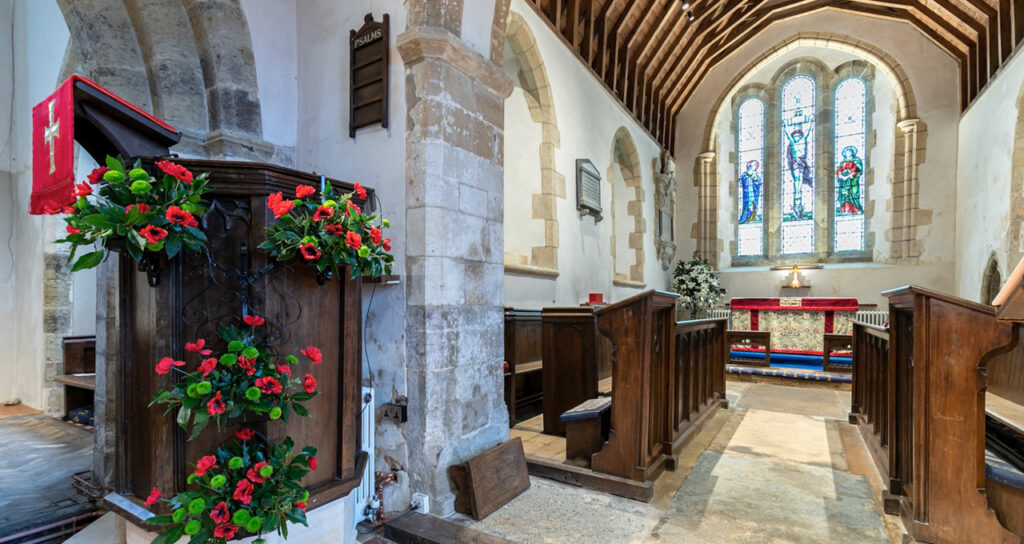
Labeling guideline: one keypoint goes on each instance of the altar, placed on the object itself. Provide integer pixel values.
(797, 324)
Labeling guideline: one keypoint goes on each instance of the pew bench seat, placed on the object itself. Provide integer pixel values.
(586, 428)
(998, 469)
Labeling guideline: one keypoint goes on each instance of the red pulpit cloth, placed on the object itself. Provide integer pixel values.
(53, 151)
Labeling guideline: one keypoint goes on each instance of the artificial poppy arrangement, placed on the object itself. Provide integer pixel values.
(248, 487)
(329, 232)
(130, 205)
(247, 379)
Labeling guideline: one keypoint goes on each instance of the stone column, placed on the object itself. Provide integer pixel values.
(905, 201)
(454, 269)
(707, 208)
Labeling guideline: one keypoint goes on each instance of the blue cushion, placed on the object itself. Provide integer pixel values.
(588, 409)
(1000, 470)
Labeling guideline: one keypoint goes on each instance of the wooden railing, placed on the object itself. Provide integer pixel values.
(700, 357)
(870, 394)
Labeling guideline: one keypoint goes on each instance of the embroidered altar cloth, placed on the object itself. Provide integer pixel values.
(796, 324)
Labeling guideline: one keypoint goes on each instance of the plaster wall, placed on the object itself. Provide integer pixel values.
(273, 28)
(988, 131)
(375, 158)
(37, 37)
(933, 77)
(588, 117)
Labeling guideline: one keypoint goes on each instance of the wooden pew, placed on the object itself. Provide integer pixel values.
(933, 408)
(698, 377)
(576, 359)
(523, 384)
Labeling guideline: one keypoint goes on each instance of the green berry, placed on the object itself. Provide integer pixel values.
(191, 478)
(218, 481)
(305, 496)
(204, 387)
(140, 187)
(364, 252)
(254, 525)
(292, 359)
(331, 204)
(235, 345)
(308, 240)
(385, 222)
(235, 463)
(253, 393)
(192, 527)
(266, 471)
(275, 413)
(138, 173)
(196, 507)
(250, 353)
(241, 517)
(113, 176)
(189, 207)
(228, 359)
(178, 515)
(192, 392)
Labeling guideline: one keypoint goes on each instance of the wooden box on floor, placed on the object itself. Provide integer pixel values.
(190, 302)
(488, 481)
(576, 359)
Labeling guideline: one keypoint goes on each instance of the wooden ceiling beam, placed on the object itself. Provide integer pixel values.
(611, 52)
(623, 77)
(657, 36)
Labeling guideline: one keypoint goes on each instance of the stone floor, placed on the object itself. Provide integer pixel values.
(35, 482)
(780, 466)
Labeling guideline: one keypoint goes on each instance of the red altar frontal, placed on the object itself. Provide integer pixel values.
(796, 324)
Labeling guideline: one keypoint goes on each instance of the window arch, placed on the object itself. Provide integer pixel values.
(851, 154)
(750, 172)
(797, 166)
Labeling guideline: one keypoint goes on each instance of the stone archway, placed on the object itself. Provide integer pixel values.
(624, 156)
(909, 152)
(533, 79)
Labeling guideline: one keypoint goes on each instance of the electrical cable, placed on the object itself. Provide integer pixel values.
(10, 134)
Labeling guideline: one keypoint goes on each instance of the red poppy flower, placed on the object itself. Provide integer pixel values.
(274, 200)
(323, 212)
(220, 513)
(336, 230)
(50, 209)
(177, 171)
(352, 209)
(301, 505)
(73, 229)
(312, 463)
(254, 473)
(269, 385)
(310, 252)
(302, 191)
(353, 240)
(284, 369)
(177, 215)
(84, 189)
(253, 320)
(226, 530)
(206, 463)
(97, 174)
(282, 208)
(216, 405)
(245, 434)
(68, 210)
(165, 364)
(153, 235)
(243, 492)
(360, 191)
(143, 208)
(386, 244)
(375, 235)
(195, 347)
(309, 383)
(154, 496)
(248, 365)
(207, 365)
(314, 354)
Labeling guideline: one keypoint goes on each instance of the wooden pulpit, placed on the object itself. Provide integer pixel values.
(199, 291)
(642, 333)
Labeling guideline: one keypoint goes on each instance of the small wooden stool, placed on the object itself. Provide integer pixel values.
(586, 428)
(752, 338)
(832, 342)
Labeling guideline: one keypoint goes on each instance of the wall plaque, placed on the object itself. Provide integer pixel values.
(368, 99)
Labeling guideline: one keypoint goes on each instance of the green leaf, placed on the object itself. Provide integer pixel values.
(99, 220)
(161, 397)
(89, 260)
(183, 415)
(114, 164)
(159, 520)
(172, 245)
(200, 235)
(200, 421)
(301, 410)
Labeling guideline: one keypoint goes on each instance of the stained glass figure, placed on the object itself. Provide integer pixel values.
(798, 165)
(750, 199)
(850, 146)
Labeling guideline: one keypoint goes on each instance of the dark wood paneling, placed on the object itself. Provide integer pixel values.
(571, 361)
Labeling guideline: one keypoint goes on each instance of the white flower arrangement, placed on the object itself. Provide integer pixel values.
(697, 285)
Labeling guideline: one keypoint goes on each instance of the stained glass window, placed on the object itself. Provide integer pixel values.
(798, 165)
(849, 172)
(750, 199)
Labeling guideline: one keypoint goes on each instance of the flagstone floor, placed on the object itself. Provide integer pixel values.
(40, 453)
(780, 466)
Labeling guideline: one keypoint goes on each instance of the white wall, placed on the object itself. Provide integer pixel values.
(934, 79)
(273, 30)
(588, 117)
(987, 134)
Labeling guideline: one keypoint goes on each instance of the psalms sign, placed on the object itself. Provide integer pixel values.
(368, 75)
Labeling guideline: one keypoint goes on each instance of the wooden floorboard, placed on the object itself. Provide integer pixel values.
(17, 410)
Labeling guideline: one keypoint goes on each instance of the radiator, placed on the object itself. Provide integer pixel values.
(718, 313)
(364, 493)
(873, 317)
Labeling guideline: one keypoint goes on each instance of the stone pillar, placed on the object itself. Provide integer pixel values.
(454, 268)
(904, 240)
(707, 208)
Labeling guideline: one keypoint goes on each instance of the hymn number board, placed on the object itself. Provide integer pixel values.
(369, 75)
